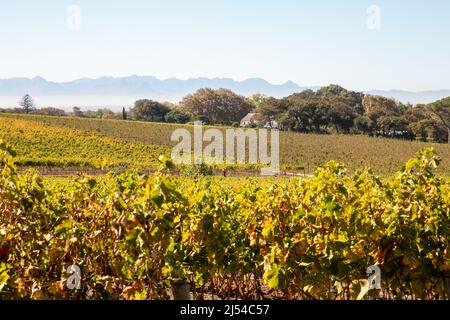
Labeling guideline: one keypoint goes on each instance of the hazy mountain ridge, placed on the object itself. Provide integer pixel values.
(140, 84)
(122, 91)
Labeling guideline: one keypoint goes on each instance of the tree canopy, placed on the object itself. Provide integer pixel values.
(331, 109)
(219, 106)
(149, 110)
(440, 111)
(27, 103)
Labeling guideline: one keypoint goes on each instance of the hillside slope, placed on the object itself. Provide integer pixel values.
(40, 144)
(141, 142)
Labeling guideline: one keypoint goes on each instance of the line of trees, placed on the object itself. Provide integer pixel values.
(331, 109)
(334, 109)
(220, 107)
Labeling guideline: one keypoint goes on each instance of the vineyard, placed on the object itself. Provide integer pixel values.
(133, 236)
(63, 141)
(39, 144)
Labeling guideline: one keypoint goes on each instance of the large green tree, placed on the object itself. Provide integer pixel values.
(352, 99)
(149, 110)
(378, 109)
(305, 115)
(219, 106)
(340, 114)
(270, 109)
(176, 116)
(440, 111)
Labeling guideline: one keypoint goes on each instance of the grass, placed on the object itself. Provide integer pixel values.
(61, 140)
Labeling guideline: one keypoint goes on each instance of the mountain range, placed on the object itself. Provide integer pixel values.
(115, 92)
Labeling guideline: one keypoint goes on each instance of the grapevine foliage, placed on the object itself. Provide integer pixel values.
(132, 235)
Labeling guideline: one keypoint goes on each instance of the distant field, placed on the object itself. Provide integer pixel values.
(40, 144)
(66, 140)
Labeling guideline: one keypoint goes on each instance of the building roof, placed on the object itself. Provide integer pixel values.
(249, 117)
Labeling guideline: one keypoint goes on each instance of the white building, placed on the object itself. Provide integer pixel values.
(252, 119)
(249, 120)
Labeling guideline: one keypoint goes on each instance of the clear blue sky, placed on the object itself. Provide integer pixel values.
(314, 42)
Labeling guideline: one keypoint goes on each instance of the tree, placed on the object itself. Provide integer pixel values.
(219, 106)
(124, 114)
(394, 126)
(104, 113)
(176, 116)
(364, 125)
(76, 112)
(269, 109)
(340, 115)
(352, 99)
(305, 115)
(50, 112)
(27, 103)
(258, 100)
(440, 112)
(149, 110)
(377, 107)
(306, 94)
(428, 129)
(419, 122)
(12, 110)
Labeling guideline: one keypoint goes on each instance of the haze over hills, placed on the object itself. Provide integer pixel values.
(115, 92)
